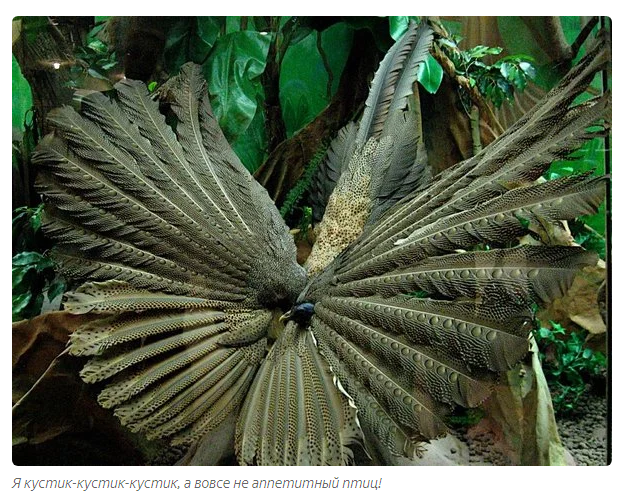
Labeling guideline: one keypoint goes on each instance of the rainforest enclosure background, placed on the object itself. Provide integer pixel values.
(281, 88)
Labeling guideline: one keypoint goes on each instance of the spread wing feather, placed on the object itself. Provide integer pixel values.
(183, 253)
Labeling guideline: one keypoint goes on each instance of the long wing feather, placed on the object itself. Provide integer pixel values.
(189, 255)
(523, 153)
(295, 414)
(393, 81)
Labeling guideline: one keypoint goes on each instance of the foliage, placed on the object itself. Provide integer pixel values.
(588, 237)
(192, 39)
(92, 60)
(233, 61)
(498, 81)
(33, 276)
(26, 228)
(430, 74)
(465, 417)
(33, 272)
(304, 80)
(305, 222)
(567, 363)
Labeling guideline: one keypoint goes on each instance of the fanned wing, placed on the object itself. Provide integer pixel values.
(184, 254)
(415, 317)
(295, 414)
(190, 257)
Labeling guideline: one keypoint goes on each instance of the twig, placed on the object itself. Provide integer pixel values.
(476, 131)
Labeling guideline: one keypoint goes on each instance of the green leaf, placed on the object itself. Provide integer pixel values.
(22, 98)
(27, 259)
(206, 33)
(251, 146)
(19, 303)
(505, 69)
(545, 333)
(303, 79)
(17, 276)
(298, 34)
(96, 74)
(56, 288)
(236, 61)
(430, 74)
(191, 39)
(397, 26)
(482, 51)
(98, 46)
(528, 69)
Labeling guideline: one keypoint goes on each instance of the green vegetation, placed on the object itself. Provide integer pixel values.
(301, 187)
(568, 364)
(498, 81)
(34, 273)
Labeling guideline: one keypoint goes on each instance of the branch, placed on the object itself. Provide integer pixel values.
(274, 124)
(448, 66)
(323, 56)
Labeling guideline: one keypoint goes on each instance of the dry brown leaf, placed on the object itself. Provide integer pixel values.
(520, 416)
(580, 305)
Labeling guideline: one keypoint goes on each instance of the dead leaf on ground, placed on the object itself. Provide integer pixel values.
(520, 416)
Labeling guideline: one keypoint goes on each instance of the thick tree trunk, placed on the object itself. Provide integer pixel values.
(45, 51)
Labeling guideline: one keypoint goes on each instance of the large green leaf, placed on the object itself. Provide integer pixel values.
(22, 99)
(191, 39)
(303, 79)
(235, 63)
(251, 146)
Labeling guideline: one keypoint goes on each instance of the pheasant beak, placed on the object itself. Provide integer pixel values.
(287, 315)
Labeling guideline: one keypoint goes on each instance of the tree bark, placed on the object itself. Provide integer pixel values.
(46, 54)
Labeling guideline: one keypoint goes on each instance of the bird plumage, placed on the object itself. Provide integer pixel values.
(187, 260)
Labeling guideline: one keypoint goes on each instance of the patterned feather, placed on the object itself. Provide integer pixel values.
(295, 414)
(182, 251)
(188, 263)
(378, 162)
